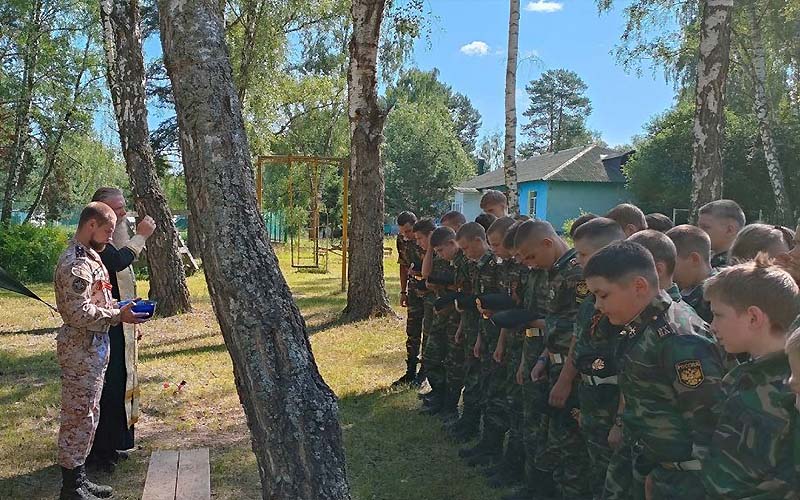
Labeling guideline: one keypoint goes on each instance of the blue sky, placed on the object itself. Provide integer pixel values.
(469, 44)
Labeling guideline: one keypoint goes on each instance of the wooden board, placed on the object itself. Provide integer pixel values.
(194, 475)
(162, 476)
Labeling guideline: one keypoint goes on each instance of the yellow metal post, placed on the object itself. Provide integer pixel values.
(345, 201)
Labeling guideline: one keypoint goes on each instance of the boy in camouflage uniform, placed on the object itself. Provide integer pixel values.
(669, 371)
(409, 255)
(565, 453)
(753, 450)
(693, 266)
(471, 238)
(722, 220)
(83, 297)
(593, 354)
(434, 336)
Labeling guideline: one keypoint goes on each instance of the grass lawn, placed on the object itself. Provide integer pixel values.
(393, 452)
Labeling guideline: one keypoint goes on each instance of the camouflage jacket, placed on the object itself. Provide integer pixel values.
(487, 279)
(674, 293)
(595, 349)
(83, 291)
(534, 288)
(409, 253)
(565, 291)
(510, 275)
(670, 374)
(694, 297)
(464, 270)
(720, 260)
(752, 451)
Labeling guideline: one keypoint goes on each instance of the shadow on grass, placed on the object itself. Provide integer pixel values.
(37, 331)
(189, 351)
(35, 485)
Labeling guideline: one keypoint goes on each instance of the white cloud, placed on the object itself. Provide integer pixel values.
(544, 6)
(476, 48)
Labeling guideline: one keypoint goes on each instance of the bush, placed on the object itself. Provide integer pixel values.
(30, 253)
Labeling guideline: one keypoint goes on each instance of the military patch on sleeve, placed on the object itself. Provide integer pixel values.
(690, 373)
(582, 289)
(79, 285)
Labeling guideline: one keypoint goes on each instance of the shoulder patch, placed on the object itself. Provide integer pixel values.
(690, 373)
(582, 289)
(80, 252)
(79, 285)
(661, 326)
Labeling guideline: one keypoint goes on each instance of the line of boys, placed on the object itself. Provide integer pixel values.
(614, 386)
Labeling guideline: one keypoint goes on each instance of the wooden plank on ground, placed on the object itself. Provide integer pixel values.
(194, 475)
(162, 476)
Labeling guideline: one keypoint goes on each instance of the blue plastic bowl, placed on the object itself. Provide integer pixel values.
(145, 306)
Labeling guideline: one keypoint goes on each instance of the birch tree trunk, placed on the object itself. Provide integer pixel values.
(291, 412)
(783, 211)
(510, 149)
(22, 115)
(122, 38)
(709, 117)
(366, 291)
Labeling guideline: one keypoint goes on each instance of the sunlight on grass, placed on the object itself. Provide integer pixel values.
(393, 452)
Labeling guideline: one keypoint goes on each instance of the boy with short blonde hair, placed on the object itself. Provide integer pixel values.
(751, 453)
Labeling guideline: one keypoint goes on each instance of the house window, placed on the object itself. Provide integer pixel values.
(532, 203)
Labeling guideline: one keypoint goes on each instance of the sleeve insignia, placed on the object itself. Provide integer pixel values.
(79, 285)
(690, 373)
(598, 364)
(576, 414)
(582, 289)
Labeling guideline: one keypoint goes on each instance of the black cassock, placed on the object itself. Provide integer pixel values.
(113, 432)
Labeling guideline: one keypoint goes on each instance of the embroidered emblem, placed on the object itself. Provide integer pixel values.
(598, 364)
(79, 285)
(582, 290)
(690, 373)
(576, 414)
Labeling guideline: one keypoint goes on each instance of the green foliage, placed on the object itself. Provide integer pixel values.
(490, 150)
(659, 174)
(424, 159)
(30, 253)
(557, 111)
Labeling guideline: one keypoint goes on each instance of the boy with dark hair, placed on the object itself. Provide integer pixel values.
(583, 219)
(663, 251)
(692, 266)
(659, 222)
(722, 220)
(409, 256)
(752, 451)
(565, 452)
(454, 220)
(471, 238)
(502, 359)
(593, 355)
(432, 331)
(495, 203)
(669, 371)
(629, 217)
(485, 220)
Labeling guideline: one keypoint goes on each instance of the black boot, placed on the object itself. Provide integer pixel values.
(410, 375)
(98, 490)
(71, 487)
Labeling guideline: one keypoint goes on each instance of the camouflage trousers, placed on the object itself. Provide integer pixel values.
(454, 363)
(415, 313)
(471, 412)
(434, 353)
(619, 483)
(493, 392)
(83, 358)
(515, 449)
(565, 453)
(427, 325)
(534, 411)
(598, 409)
(668, 484)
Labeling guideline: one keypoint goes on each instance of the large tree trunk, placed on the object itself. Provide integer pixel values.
(125, 73)
(366, 291)
(291, 412)
(510, 150)
(783, 211)
(22, 114)
(709, 117)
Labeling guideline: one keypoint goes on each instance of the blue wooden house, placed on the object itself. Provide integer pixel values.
(556, 186)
